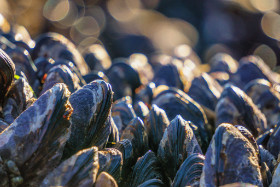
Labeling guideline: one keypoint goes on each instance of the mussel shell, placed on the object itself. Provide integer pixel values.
(273, 145)
(177, 143)
(92, 105)
(169, 75)
(230, 158)
(268, 158)
(147, 167)
(56, 46)
(95, 75)
(266, 98)
(141, 110)
(36, 139)
(114, 132)
(125, 147)
(24, 63)
(247, 134)
(123, 113)
(97, 58)
(205, 90)
(155, 123)
(223, 62)
(61, 74)
(78, 170)
(235, 107)
(7, 73)
(275, 178)
(136, 133)
(19, 97)
(264, 138)
(251, 68)
(105, 180)
(124, 79)
(266, 174)
(145, 94)
(175, 102)
(111, 161)
(190, 171)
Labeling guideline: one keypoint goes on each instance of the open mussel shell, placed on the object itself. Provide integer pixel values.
(235, 107)
(61, 74)
(111, 161)
(155, 123)
(177, 143)
(78, 170)
(206, 91)
(190, 171)
(105, 180)
(273, 145)
(266, 98)
(92, 105)
(147, 167)
(123, 113)
(19, 97)
(230, 158)
(36, 139)
(136, 133)
(7, 73)
(124, 79)
(175, 102)
(56, 46)
(141, 110)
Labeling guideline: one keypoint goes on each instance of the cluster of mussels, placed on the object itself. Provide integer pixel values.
(69, 118)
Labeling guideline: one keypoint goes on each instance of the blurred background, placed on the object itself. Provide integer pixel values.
(123, 27)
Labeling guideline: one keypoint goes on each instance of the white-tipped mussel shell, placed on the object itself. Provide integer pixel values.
(177, 143)
(36, 139)
(230, 158)
(78, 170)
